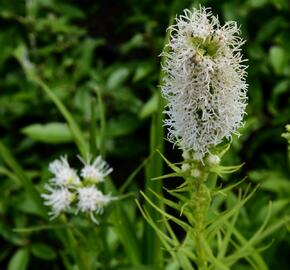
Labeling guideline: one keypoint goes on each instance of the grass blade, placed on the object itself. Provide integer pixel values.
(26, 182)
(75, 130)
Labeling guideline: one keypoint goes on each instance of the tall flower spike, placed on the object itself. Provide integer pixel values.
(96, 171)
(204, 81)
(64, 175)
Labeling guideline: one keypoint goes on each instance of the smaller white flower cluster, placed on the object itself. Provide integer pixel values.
(67, 192)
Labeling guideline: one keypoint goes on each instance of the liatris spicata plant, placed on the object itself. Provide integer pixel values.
(67, 192)
(205, 89)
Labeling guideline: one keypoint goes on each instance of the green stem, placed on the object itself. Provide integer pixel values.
(74, 248)
(200, 202)
(200, 224)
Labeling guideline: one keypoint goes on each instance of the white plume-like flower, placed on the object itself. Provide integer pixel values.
(97, 171)
(59, 200)
(204, 81)
(64, 175)
(91, 200)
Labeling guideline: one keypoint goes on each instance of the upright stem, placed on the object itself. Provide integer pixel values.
(199, 222)
(200, 200)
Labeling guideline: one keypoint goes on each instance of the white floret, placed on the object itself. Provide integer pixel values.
(64, 175)
(97, 171)
(92, 201)
(58, 199)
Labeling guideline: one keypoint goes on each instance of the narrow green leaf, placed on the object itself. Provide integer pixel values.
(168, 242)
(102, 126)
(93, 130)
(171, 165)
(226, 240)
(26, 182)
(223, 217)
(168, 202)
(42, 228)
(248, 245)
(257, 258)
(153, 252)
(154, 168)
(220, 170)
(126, 233)
(182, 224)
(133, 175)
(10, 175)
(274, 227)
(217, 264)
(166, 176)
(225, 190)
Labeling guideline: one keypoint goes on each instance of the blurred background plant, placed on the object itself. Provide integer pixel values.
(100, 60)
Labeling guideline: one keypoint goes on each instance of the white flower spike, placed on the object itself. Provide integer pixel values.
(59, 200)
(64, 175)
(97, 171)
(204, 81)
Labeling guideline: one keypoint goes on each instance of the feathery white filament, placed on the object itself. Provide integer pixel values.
(91, 200)
(64, 175)
(97, 171)
(59, 200)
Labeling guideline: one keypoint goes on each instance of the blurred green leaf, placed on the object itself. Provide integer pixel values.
(280, 90)
(257, 3)
(142, 71)
(49, 133)
(278, 207)
(19, 260)
(117, 78)
(149, 107)
(85, 55)
(136, 41)
(122, 125)
(273, 181)
(67, 10)
(43, 251)
(278, 58)
(12, 237)
(270, 28)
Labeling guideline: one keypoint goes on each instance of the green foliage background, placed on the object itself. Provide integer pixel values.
(85, 50)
